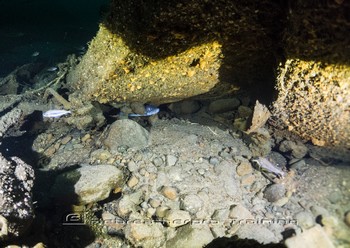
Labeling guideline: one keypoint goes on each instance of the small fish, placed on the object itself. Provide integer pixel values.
(35, 54)
(51, 69)
(149, 110)
(56, 113)
(270, 167)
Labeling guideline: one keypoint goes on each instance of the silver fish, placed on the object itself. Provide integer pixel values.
(149, 110)
(56, 113)
(35, 54)
(51, 69)
(267, 165)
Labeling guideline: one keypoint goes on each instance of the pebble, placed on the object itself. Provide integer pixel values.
(296, 149)
(305, 219)
(240, 212)
(86, 137)
(171, 160)
(221, 214)
(66, 139)
(191, 236)
(299, 165)
(335, 197)
(158, 161)
(244, 112)
(214, 161)
(317, 210)
(274, 192)
(223, 105)
(176, 218)
(347, 218)
(248, 180)
(133, 181)
(244, 168)
(50, 151)
(162, 211)
(191, 203)
(128, 203)
(169, 192)
(143, 234)
(154, 203)
(151, 212)
(132, 166)
(185, 107)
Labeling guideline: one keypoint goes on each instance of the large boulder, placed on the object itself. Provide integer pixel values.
(166, 51)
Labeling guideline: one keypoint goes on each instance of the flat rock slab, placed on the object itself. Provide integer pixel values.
(86, 184)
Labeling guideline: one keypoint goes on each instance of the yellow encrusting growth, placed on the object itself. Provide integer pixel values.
(115, 73)
(314, 101)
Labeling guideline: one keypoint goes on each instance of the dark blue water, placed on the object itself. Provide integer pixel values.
(53, 29)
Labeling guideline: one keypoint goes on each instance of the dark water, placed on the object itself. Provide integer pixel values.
(53, 29)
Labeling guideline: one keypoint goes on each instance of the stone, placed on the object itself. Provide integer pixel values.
(305, 219)
(169, 192)
(335, 197)
(126, 133)
(214, 161)
(176, 218)
(244, 112)
(347, 218)
(158, 161)
(66, 139)
(185, 107)
(221, 215)
(162, 211)
(223, 105)
(314, 237)
(140, 234)
(191, 236)
(133, 181)
(244, 168)
(132, 166)
(128, 203)
(171, 160)
(296, 149)
(191, 203)
(258, 232)
(16, 202)
(274, 192)
(239, 212)
(86, 184)
(299, 165)
(154, 203)
(248, 180)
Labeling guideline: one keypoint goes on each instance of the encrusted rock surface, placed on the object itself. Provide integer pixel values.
(16, 203)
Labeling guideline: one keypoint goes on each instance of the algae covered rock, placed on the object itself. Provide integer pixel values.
(313, 83)
(166, 51)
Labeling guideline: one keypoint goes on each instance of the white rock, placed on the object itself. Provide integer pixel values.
(86, 184)
(176, 218)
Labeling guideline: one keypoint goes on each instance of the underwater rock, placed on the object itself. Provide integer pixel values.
(143, 234)
(195, 236)
(126, 133)
(9, 119)
(87, 184)
(223, 105)
(16, 203)
(185, 107)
